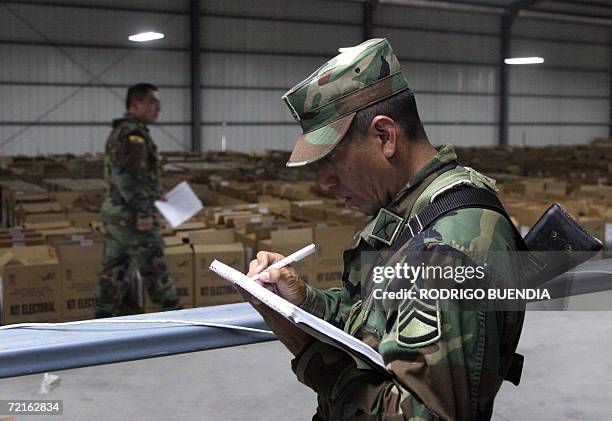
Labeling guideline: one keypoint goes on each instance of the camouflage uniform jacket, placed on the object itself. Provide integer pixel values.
(131, 169)
(444, 364)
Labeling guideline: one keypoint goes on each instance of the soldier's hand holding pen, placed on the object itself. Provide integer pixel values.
(284, 281)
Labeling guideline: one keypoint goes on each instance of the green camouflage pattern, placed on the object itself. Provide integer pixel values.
(132, 171)
(129, 253)
(325, 103)
(446, 363)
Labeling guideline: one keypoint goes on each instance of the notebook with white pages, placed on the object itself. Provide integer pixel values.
(364, 355)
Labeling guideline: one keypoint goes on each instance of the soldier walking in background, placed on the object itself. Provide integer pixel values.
(133, 245)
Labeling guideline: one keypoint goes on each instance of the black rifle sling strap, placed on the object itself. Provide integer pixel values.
(470, 197)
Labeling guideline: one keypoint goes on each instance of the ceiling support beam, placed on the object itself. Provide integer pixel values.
(369, 6)
(195, 59)
(507, 21)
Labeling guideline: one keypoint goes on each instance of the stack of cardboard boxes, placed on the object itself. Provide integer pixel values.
(50, 211)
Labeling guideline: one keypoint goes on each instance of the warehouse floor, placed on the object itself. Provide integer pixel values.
(567, 377)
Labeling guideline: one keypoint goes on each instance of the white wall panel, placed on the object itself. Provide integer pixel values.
(554, 110)
(86, 104)
(462, 135)
(232, 105)
(48, 64)
(435, 19)
(554, 135)
(256, 70)
(445, 92)
(533, 80)
(171, 138)
(158, 67)
(560, 54)
(560, 30)
(456, 108)
(39, 64)
(250, 138)
(249, 35)
(450, 77)
(44, 140)
(439, 46)
(81, 104)
(322, 10)
(73, 25)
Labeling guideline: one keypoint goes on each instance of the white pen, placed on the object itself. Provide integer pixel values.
(292, 258)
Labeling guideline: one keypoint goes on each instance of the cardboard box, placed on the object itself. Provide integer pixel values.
(346, 216)
(37, 226)
(83, 219)
(297, 209)
(42, 207)
(241, 221)
(315, 213)
(172, 241)
(219, 217)
(85, 239)
(557, 188)
(249, 241)
(66, 199)
(191, 226)
(17, 238)
(62, 232)
(17, 190)
(180, 264)
(81, 265)
(330, 242)
(274, 205)
(595, 226)
(300, 190)
(31, 285)
(212, 236)
(526, 214)
(24, 241)
(43, 217)
(535, 187)
(288, 241)
(8, 233)
(211, 289)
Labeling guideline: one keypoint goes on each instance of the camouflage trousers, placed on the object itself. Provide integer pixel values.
(128, 255)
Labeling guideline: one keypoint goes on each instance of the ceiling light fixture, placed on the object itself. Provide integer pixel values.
(145, 36)
(524, 60)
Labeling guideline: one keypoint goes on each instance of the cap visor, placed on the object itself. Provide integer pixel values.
(312, 146)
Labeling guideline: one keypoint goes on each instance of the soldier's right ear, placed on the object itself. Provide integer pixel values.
(385, 130)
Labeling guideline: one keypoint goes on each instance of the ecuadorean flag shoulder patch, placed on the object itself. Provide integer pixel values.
(418, 323)
(134, 138)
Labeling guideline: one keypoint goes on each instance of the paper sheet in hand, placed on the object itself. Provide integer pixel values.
(180, 205)
(364, 355)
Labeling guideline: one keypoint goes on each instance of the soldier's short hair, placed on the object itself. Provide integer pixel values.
(400, 107)
(138, 92)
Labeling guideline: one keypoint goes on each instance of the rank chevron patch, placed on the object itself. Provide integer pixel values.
(418, 323)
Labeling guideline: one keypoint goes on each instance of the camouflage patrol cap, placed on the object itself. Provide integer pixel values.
(325, 103)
